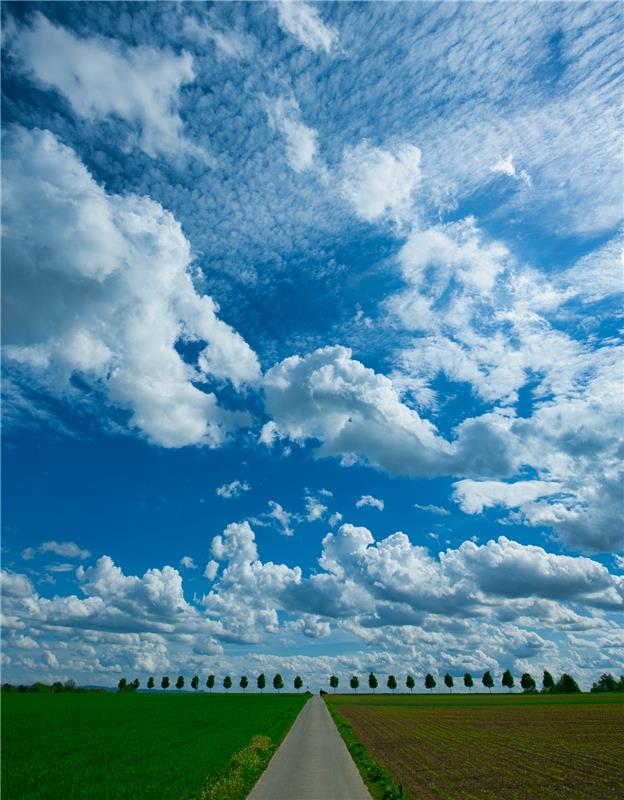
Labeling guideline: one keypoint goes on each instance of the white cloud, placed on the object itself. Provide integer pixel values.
(101, 79)
(597, 275)
(334, 519)
(379, 183)
(212, 567)
(65, 549)
(301, 146)
(229, 43)
(474, 496)
(233, 489)
(282, 517)
(303, 21)
(433, 509)
(473, 604)
(187, 562)
(506, 166)
(315, 510)
(102, 285)
(369, 500)
(354, 412)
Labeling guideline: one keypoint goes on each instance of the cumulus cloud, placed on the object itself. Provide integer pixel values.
(101, 285)
(65, 549)
(353, 411)
(233, 489)
(301, 147)
(100, 79)
(380, 183)
(187, 562)
(369, 500)
(481, 601)
(315, 510)
(474, 496)
(304, 22)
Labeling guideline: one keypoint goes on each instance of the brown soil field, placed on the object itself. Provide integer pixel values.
(493, 749)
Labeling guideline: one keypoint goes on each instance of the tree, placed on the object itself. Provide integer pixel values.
(410, 683)
(150, 682)
(508, 680)
(333, 682)
(210, 682)
(527, 682)
(297, 683)
(566, 685)
(606, 683)
(180, 682)
(468, 682)
(372, 681)
(122, 685)
(278, 683)
(430, 682)
(391, 683)
(227, 683)
(165, 682)
(354, 683)
(195, 682)
(70, 685)
(488, 681)
(548, 681)
(261, 681)
(244, 682)
(448, 680)
(135, 684)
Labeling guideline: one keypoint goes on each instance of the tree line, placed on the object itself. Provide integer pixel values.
(565, 684)
(278, 683)
(51, 688)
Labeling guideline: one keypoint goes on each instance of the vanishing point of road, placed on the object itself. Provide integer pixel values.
(312, 763)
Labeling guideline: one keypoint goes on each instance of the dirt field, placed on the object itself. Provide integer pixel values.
(490, 748)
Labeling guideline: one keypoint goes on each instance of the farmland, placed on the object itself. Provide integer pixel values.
(494, 747)
(132, 745)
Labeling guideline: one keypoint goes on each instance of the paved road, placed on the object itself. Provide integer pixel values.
(312, 763)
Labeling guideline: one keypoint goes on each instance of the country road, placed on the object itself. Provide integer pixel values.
(312, 763)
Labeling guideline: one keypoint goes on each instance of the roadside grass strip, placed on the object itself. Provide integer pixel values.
(242, 771)
(378, 780)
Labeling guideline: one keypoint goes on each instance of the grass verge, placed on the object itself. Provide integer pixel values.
(242, 771)
(380, 783)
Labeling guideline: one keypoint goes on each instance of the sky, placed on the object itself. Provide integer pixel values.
(311, 340)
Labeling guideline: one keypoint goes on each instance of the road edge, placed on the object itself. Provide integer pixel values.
(278, 745)
(377, 779)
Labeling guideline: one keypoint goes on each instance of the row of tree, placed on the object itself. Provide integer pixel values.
(606, 683)
(51, 688)
(278, 683)
(565, 684)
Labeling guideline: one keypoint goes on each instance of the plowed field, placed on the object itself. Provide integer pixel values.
(489, 749)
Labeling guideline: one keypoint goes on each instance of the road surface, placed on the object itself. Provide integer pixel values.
(312, 763)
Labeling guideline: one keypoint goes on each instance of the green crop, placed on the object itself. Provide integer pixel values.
(131, 746)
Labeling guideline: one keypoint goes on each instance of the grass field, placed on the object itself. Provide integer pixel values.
(494, 747)
(131, 745)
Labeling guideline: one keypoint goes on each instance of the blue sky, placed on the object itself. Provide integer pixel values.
(311, 339)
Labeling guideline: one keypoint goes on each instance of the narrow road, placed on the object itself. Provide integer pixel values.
(312, 763)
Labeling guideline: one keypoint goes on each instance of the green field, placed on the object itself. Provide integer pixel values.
(65, 746)
(489, 747)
